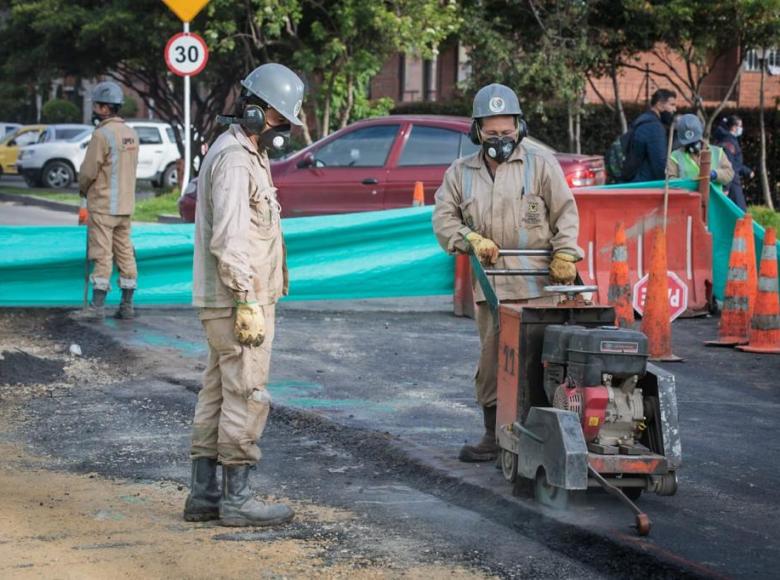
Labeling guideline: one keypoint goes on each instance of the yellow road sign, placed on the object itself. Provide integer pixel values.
(186, 10)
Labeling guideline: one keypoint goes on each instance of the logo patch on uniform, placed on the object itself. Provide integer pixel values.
(533, 214)
(689, 134)
(496, 104)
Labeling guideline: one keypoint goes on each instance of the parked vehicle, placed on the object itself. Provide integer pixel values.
(373, 165)
(10, 144)
(62, 132)
(7, 128)
(55, 164)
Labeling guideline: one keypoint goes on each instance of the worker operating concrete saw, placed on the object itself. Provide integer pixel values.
(508, 195)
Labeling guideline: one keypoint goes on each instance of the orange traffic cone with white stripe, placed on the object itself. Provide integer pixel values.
(656, 323)
(765, 324)
(619, 294)
(419, 194)
(740, 293)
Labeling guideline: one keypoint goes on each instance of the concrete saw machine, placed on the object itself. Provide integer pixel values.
(579, 405)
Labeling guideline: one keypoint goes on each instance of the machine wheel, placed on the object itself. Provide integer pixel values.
(509, 465)
(549, 495)
(57, 175)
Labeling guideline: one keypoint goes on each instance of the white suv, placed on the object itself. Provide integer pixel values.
(55, 164)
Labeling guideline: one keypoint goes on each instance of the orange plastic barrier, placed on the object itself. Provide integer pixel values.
(689, 244)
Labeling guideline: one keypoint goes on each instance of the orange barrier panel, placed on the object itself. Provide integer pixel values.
(689, 244)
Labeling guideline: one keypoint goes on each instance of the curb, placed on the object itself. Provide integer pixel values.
(29, 200)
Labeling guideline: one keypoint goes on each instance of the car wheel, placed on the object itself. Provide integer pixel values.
(57, 175)
(170, 177)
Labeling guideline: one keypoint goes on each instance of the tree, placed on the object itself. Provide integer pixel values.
(60, 111)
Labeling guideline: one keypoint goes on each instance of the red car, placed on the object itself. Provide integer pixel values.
(373, 165)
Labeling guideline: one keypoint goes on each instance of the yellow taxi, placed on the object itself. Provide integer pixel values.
(9, 146)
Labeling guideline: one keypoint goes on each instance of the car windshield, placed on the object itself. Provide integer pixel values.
(9, 137)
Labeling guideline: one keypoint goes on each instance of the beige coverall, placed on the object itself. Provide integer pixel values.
(107, 180)
(517, 210)
(239, 256)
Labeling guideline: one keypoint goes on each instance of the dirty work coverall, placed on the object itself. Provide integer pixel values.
(239, 256)
(521, 209)
(686, 166)
(107, 180)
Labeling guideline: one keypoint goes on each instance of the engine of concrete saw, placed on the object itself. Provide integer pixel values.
(594, 372)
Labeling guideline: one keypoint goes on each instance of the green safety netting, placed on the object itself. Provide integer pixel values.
(366, 255)
(722, 215)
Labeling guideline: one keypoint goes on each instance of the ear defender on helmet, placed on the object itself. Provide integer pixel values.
(253, 119)
(474, 132)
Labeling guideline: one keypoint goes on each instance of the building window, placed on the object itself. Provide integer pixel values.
(752, 63)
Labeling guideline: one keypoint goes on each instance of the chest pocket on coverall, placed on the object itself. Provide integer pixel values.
(265, 211)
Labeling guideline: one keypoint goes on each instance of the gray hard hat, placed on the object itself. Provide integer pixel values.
(494, 100)
(689, 129)
(278, 86)
(108, 92)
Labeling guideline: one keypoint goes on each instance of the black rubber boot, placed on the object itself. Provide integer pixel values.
(240, 508)
(96, 309)
(202, 503)
(487, 448)
(126, 311)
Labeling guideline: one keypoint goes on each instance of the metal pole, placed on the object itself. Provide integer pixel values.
(185, 179)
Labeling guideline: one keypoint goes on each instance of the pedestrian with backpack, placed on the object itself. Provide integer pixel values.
(639, 154)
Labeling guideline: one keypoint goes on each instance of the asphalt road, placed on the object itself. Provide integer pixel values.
(404, 368)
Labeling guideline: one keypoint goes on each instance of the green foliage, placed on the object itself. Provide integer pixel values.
(764, 216)
(149, 209)
(60, 111)
(129, 108)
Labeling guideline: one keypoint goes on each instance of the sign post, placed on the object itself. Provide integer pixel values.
(678, 295)
(186, 55)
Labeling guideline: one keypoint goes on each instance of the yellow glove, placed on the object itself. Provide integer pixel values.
(250, 324)
(486, 250)
(562, 269)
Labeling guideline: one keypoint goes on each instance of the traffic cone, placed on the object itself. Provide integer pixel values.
(619, 294)
(765, 324)
(83, 214)
(419, 194)
(740, 291)
(655, 320)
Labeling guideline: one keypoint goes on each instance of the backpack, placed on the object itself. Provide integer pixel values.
(621, 161)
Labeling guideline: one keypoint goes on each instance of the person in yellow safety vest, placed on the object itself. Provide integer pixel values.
(684, 162)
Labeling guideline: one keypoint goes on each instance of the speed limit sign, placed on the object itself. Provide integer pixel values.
(186, 54)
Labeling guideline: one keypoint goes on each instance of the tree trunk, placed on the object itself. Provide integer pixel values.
(350, 102)
(618, 102)
(570, 114)
(305, 127)
(764, 177)
(722, 104)
(577, 125)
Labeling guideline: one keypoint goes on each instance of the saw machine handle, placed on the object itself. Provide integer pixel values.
(519, 272)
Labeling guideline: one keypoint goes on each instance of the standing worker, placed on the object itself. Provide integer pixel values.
(684, 162)
(107, 180)
(648, 145)
(727, 135)
(508, 195)
(239, 273)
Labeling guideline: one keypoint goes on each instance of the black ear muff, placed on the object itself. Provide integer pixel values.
(253, 119)
(474, 133)
(523, 129)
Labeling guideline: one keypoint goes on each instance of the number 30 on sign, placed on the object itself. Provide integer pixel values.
(186, 54)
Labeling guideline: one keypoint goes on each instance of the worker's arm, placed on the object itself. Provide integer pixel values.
(231, 225)
(724, 173)
(94, 158)
(448, 224)
(563, 215)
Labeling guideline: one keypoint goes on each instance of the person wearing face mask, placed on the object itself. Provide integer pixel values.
(727, 135)
(107, 180)
(508, 195)
(684, 162)
(648, 148)
(239, 273)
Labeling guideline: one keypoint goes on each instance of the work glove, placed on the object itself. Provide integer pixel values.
(486, 250)
(250, 324)
(562, 269)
